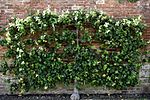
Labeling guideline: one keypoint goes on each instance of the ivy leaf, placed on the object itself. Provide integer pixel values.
(105, 67)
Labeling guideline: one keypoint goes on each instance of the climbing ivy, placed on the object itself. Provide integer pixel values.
(89, 46)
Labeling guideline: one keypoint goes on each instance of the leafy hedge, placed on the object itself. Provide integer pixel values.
(88, 46)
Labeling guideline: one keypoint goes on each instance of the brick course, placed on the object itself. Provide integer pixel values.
(21, 8)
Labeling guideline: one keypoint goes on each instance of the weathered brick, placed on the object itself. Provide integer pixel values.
(144, 80)
(100, 1)
(146, 67)
(144, 73)
(75, 7)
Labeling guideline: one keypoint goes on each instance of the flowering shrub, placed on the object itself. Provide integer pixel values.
(88, 46)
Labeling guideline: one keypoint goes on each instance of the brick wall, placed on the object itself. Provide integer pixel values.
(21, 8)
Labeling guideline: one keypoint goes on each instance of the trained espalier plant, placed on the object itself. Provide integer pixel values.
(44, 50)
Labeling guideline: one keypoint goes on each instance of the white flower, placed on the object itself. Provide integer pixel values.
(36, 75)
(45, 87)
(58, 59)
(106, 24)
(11, 24)
(21, 79)
(28, 19)
(104, 75)
(22, 63)
(19, 56)
(41, 48)
(19, 50)
(107, 31)
(117, 23)
(8, 39)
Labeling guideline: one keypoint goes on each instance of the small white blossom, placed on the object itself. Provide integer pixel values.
(22, 63)
(45, 87)
(41, 48)
(36, 75)
(106, 24)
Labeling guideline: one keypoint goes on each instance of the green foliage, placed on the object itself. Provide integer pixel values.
(132, 1)
(45, 51)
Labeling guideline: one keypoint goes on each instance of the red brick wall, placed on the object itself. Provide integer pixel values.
(21, 8)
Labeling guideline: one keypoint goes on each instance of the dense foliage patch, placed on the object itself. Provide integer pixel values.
(88, 46)
(132, 1)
